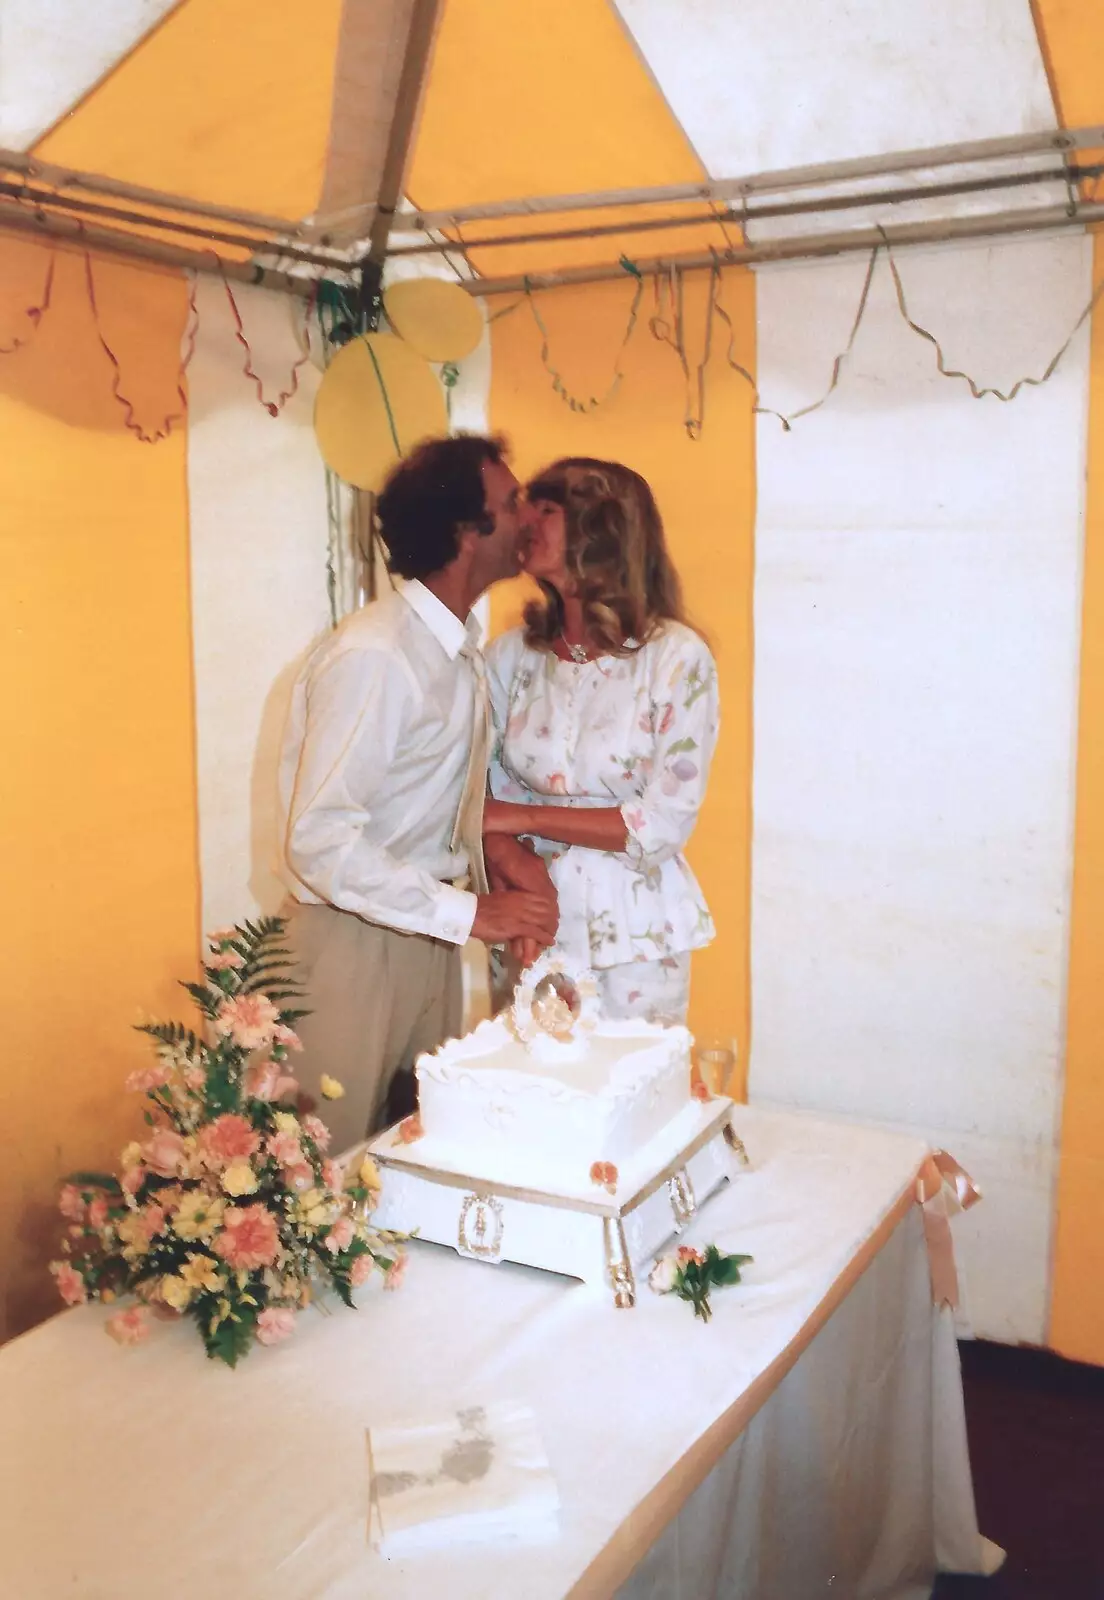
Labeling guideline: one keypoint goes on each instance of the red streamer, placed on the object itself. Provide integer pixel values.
(134, 426)
(273, 407)
(35, 313)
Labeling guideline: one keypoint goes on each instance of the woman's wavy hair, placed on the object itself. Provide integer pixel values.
(614, 550)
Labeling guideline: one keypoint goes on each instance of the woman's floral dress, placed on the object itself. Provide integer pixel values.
(637, 732)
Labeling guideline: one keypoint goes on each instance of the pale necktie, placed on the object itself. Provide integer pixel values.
(467, 835)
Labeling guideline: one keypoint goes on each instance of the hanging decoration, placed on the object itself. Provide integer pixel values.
(35, 313)
(143, 435)
(273, 407)
(572, 402)
(436, 318)
(377, 398)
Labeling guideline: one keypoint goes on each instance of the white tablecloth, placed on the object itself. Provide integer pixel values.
(691, 1459)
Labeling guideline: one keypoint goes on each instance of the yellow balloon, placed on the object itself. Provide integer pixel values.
(377, 398)
(438, 319)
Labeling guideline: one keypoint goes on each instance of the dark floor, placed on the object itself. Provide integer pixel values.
(1036, 1427)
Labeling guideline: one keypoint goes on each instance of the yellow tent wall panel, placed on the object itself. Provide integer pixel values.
(97, 803)
(706, 492)
(1072, 37)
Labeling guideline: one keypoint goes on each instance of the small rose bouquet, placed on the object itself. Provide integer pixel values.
(228, 1210)
(691, 1274)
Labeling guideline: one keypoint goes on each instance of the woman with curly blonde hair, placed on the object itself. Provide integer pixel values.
(606, 716)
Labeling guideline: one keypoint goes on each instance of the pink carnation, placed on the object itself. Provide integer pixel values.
(97, 1211)
(340, 1236)
(70, 1283)
(71, 1203)
(195, 1076)
(287, 1037)
(249, 1238)
(299, 1177)
(361, 1270)
(130, 1326)
(222, 936)
(394, 1274)
(333, 1174)
(153, 1221)
(268, 1081)
(164, 1153)
(274, 1324)
(285, 1149)
(224, 961)
(229, 1138)
(133, 1179)
(151, 1077)
(249, 1020)
(317, 1130)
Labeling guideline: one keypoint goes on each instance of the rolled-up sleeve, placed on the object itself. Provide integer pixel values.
(686, 714)
(356, 708)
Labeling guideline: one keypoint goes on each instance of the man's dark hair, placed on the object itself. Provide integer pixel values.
(430, 496)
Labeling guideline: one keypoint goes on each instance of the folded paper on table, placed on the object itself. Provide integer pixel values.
(480, 1476)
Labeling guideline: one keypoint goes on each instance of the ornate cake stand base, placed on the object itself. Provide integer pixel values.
(598, 1237)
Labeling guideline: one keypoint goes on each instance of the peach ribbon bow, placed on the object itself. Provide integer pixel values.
(943, 1189)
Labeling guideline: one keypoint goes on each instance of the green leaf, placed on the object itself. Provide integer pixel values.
(94, 1180)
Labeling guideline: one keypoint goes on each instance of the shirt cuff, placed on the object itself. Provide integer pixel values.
(453, 915)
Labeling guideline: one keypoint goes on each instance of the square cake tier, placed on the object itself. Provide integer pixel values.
(489, 1104)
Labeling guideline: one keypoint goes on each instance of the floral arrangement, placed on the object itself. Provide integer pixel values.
(229, 1210)
(691, 1274)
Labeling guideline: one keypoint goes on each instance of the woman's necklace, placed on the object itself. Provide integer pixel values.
(577, 652)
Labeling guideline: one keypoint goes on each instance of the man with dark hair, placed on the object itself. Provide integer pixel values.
(382, 778)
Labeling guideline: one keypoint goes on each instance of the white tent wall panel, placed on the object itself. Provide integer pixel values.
(259, 537)
(53, 51)
(917, 629)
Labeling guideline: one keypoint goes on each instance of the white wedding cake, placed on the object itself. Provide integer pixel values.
(530, 1103)
(555, 1137)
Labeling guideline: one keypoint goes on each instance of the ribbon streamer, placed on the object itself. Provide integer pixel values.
(130, 420)
(558, 385)
(943, 1189)
(273, 407)
(35, 314)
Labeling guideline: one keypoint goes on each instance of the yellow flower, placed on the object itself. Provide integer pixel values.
(239, 1178)
(200, 1272)
(331, 1089)
(313, 1209)
(199, 1216)
(286, 1121)
(176, 1292)
(132, 1232)
(132, 1154)
(369, 1174)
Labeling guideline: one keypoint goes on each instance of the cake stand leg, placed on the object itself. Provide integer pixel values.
(683, 1203)
(619, 1264)
(736, 1145)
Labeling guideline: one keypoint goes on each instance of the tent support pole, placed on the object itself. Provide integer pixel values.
(807, 247)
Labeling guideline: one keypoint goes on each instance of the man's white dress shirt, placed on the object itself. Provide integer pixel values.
(373, 763)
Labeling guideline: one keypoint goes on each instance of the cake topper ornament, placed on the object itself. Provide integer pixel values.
(554, 1010)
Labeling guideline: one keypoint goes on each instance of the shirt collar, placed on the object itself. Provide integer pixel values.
(451, 634)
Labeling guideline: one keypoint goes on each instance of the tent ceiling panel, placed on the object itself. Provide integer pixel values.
(777, 83)
(52, 52)
(228, 104)
(780, 83)
(562, 104)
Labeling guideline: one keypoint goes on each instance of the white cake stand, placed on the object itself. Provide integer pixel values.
(582, 1231)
